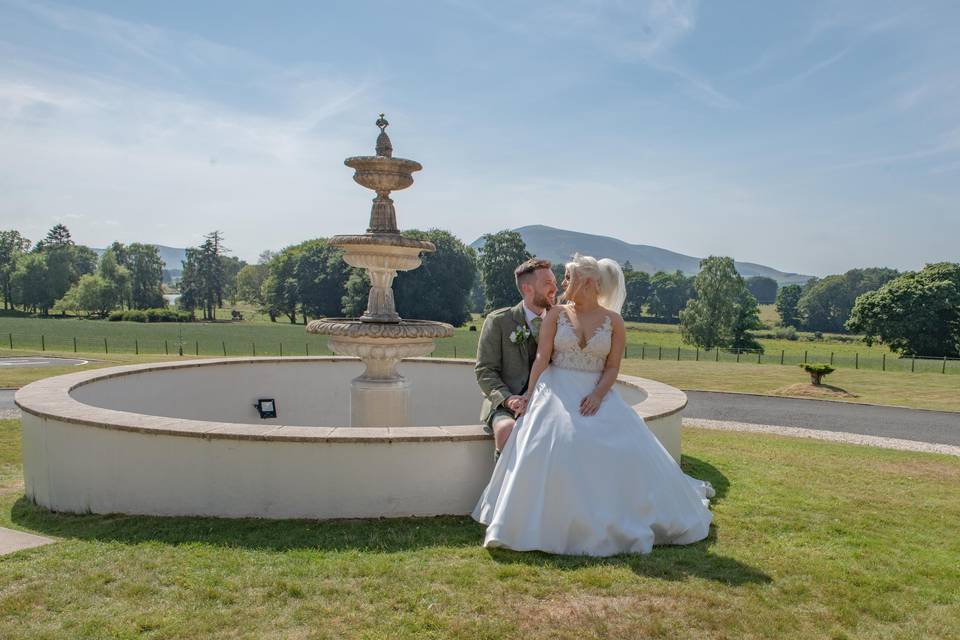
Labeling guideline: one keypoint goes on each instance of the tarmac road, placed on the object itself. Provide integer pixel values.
(938, 427)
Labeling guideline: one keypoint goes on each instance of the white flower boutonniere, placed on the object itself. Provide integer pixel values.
(521, 334)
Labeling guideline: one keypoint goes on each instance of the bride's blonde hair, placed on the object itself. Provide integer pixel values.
(611, 287)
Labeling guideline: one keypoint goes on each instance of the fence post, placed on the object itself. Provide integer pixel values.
(643, 350)
(105, 349)
(10, 335)
(254, 345)
(454, 351)
(136, 347)
(804, 357)
(306, 348)
(196, 347)
(883, 366)
(223, 343)
(698, 354)
(660, 352)
(782, 351)
(718, 353)
(856, 359)
(678, 354)
(43, 343)
(738, 355)
(831, 357)
(759, 353)
(626, 353)
(166, 348)
(74, 344)
(944, 368)
(281, 349)
(913, 363)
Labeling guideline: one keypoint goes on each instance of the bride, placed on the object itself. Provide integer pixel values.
(581, 473)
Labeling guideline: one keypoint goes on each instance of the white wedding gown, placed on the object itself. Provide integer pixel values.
(587, 485)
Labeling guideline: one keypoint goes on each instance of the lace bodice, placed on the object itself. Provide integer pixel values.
(567, 352)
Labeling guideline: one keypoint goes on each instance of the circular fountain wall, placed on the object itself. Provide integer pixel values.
(186, 439)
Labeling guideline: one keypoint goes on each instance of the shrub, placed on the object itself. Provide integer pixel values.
(152, 315)
(817, 370)
(785, 333)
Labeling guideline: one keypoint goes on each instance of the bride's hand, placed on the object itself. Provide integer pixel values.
(591, 404)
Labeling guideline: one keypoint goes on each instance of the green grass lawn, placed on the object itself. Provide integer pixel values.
(645, 341)
(812, 540)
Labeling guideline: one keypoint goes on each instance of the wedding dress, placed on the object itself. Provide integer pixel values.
(587, 485)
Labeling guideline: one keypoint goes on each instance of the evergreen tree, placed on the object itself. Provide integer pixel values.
(12, 247)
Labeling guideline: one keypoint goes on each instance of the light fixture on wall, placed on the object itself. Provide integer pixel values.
(266, 407)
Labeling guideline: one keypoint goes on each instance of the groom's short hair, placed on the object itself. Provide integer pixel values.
(524, 273)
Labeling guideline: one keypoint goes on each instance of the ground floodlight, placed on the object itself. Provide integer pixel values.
(266, 407)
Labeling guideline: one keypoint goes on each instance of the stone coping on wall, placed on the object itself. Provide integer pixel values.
(50, 398)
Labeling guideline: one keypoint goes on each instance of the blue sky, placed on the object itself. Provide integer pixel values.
(811, 137)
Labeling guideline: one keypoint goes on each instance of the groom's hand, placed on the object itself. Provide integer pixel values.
(517, 404)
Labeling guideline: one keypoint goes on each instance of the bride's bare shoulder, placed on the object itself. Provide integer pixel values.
(616, 319)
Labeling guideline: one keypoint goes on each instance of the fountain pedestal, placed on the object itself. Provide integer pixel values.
(380, 397)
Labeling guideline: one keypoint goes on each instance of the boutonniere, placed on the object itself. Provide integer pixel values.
(521, 334)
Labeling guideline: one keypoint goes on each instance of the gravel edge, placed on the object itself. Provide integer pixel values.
(817, 434)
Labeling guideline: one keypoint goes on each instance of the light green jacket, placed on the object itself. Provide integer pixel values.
(503, 368)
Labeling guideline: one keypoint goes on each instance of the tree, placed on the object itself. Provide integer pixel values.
(31, 285)
(203, 280)
(787, 299)
(764, 289)
(707, 321)
(321, 275)
(501, 253)
(280, 286)
(638, 291)
(827, 303)
(915, 313)
(57, 238)
(746, 319)
(114, 278)
(93, 295)
(12, 247)
(439, 289)
(249, 284)
(669, 293)
(146, 275)
(356, 290)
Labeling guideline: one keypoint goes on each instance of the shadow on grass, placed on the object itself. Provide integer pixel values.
(375, 535)
(703, 470)
(664, 563)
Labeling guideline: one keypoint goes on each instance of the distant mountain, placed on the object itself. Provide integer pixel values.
(172, 257)
(557, 245)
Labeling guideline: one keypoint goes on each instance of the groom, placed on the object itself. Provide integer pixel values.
(508, 345)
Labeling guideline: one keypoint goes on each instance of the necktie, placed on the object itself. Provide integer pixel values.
(536, 322)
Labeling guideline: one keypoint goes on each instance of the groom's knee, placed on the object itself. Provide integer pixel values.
(501, 431)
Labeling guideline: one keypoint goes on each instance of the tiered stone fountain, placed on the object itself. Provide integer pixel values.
(380, 397)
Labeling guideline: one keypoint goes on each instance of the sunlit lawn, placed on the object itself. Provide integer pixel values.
(811, 540)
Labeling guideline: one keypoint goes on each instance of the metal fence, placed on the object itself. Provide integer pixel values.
(453, 348)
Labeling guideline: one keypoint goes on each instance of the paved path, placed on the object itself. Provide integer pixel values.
(12, 541)
(37, 361)
(939, 427)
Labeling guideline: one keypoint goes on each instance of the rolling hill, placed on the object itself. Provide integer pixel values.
(557, 245)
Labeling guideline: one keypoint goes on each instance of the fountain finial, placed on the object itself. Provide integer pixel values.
(384, 146)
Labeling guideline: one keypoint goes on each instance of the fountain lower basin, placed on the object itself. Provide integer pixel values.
(184, 438)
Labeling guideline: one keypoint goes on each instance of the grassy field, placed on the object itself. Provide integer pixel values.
(644, 341)
(811, 540)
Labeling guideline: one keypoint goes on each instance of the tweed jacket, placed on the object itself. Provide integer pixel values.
(503, 368)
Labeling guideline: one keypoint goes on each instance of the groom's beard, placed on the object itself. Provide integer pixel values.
(542, 302)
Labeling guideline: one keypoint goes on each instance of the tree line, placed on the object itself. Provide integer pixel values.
(58, 275)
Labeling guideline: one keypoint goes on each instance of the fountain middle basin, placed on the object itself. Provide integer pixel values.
(184, 438)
